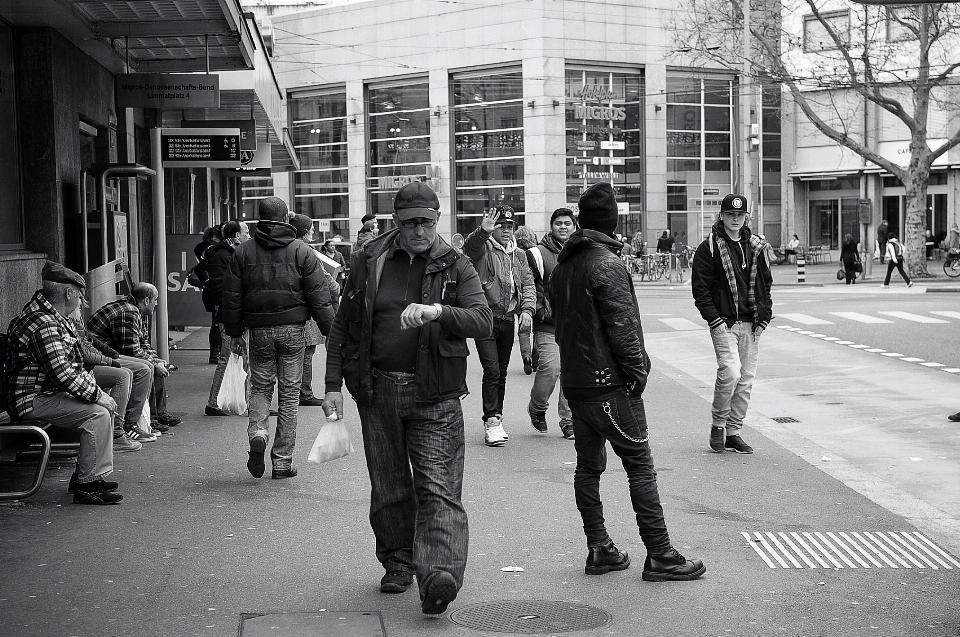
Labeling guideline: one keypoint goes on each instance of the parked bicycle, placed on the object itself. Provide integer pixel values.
(951, 265)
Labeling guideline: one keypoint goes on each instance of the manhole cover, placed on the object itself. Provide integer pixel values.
(530, 617)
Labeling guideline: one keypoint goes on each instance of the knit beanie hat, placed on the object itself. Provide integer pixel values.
(598, 208)
(302, 223)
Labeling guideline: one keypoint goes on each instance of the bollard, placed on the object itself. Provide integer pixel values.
(801, 267)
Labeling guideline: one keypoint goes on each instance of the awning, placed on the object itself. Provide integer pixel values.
(151, 37)
(818, 176)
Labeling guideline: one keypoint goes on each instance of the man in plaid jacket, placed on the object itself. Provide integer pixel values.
(120, 325)
(46, 380)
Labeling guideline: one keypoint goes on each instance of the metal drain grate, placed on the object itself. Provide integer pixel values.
(531, 616)
(783, 419)
(856, 549)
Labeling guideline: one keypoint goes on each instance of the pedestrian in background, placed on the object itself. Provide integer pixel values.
(883, 234)
(604, 369)
(895, 257)
(330, 251)
(731, 283)
(542, 259)
(665, 243)
(849, 257)
(526, 239)
(509, 289)
(312, 336)
(369, 230)
(216, 262)
(212, 235)
(274, 285)
(405, 364)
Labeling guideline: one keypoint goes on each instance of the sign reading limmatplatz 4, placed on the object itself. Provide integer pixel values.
(200, 147)
(168, 90)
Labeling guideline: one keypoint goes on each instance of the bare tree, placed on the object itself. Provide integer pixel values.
(903, 60)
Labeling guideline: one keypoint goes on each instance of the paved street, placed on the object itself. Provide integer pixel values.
(197, 542)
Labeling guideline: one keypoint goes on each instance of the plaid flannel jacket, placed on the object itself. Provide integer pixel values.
(120, 325)
(44, 357)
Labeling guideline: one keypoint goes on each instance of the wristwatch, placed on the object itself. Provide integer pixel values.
(439, 309)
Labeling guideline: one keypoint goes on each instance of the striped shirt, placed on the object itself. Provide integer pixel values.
(44, 357)
(120, 326)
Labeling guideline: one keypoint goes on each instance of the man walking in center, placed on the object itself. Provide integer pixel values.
(542, 259)
(605, 369)
(274, 284)
(509, 289)
(731, 283)
(399, 343)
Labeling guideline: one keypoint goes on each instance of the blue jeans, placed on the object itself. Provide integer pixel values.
(548, 373)
(620, 418)
(737, 352)
(276, 356)
(417, 516)
(494, 353)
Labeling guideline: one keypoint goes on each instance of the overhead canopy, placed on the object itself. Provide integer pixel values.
(160, 36)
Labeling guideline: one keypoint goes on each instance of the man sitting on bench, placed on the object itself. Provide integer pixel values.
(46, 380)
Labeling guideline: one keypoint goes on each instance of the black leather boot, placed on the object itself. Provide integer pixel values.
(605, 558)
(671, 566)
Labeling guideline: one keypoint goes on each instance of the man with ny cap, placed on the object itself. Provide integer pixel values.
(46, 380)
(731, 282)
(508, 285)
(604, 370)
(399, 344)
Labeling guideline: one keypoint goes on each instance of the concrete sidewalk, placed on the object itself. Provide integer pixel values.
(197, 542)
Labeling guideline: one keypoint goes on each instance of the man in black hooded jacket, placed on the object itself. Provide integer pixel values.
(273, 286)
(603, 372)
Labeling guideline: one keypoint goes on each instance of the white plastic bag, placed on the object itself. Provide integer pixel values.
(144, 422)
(232, 397)
(332, 442)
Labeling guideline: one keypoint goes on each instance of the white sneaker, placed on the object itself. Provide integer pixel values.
(123, 443)
(493, 432)
(502, 431)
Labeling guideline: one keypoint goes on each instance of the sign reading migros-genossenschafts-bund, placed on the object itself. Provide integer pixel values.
(168, 90)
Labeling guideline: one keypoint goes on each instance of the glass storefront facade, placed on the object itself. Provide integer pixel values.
(11, 219)
(254, 189)
(895, 205)
(771, 199)
(604, 137)
(700, 124)
(398, 134)
(319, 132)
(487, 120)
(832, 207)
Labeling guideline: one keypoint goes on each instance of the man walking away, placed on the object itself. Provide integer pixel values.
(509, 289)
(399, 343)
(604, 372)
(731, 283)
(542, 259)
(895, 255)
(273, 286)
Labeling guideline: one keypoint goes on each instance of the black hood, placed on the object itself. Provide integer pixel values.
(273, 235)
(584, 239)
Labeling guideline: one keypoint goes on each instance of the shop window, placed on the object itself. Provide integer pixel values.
(816, 37)
(11, 213)
(318, 128)
(487, 119)
(604, 131)
(398, 134)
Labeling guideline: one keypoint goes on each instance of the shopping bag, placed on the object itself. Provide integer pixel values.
(232, 397)
(332, 442)
(144, 422)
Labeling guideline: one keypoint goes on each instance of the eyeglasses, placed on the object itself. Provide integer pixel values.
(423, 223)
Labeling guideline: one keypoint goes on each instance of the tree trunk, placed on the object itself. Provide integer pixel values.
(914, 223)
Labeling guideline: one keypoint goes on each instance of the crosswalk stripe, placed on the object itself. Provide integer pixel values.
(953, 315)
(853, 549)
(681, 324)
(860, 318)
(916, 318)
(933, 365)
(911, 359)
(804, 319)
(891, 354)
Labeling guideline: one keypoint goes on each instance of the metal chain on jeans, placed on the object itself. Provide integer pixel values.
(609, 412)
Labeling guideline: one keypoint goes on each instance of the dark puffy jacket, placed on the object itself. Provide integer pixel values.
(216, 263)
(596, 315)
(275, 279)
(543, 257)
(711, 291)
(441, 370)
